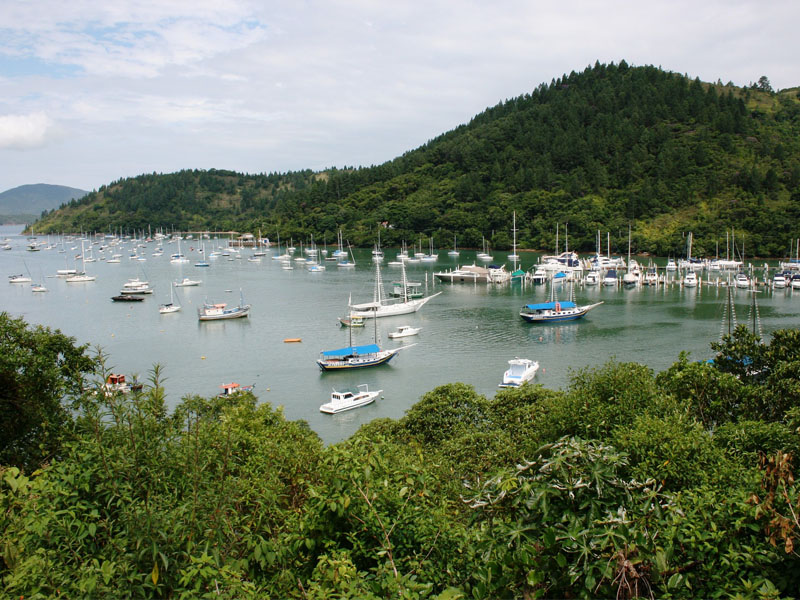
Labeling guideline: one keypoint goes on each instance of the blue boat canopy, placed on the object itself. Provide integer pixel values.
(351, 350)
(551, 305)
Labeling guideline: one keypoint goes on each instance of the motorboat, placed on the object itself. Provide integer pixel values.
(127, 298)
(186, 282)
(547, 312)
(650, 276)
(466, 274)
(520, 370)
(404, 331)
(592, 278)
(794, 282)
(347, 400)
(690, 279)
(610, 278)
(19, 279)
(538, 277)
(233, 388)
(742, 280)
(780, 280)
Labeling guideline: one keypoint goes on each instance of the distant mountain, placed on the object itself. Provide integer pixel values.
(26, 202)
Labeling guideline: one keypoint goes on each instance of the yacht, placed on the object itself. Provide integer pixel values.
(520, 370)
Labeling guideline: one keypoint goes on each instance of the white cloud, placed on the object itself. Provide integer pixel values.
(148, 85)
(24, 132)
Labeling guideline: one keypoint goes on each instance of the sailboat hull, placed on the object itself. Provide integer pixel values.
(356, 362)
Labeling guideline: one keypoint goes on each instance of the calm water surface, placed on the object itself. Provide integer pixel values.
(468, 334)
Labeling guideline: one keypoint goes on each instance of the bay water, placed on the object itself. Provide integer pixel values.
(469, 332)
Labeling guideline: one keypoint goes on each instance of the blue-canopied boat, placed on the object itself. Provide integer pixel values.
(548, 312)
(354, 357)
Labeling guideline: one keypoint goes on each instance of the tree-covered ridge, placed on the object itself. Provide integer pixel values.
(598, 149)
(626, 484)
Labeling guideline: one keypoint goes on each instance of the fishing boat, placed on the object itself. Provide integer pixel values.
(352, 321)
(404, 331)
(383, 306)
(520, 370)
(220, 311)
(347, 400)
(547, 312)
(233, 388)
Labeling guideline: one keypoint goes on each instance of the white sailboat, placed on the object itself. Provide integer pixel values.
(81, 277)
(171, 307)
(383, 306)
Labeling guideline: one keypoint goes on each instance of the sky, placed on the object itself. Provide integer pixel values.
(93, 92)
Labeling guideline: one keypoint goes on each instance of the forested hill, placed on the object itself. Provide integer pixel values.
(599, 149)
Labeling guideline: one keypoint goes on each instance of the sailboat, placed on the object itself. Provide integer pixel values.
(356, 357)
(383, 306)
(171, 307)
(454, 251)
(548, 312)
(517, 274)
(81, 277)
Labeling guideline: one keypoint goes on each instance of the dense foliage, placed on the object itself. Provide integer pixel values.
(627, 484)
(599, 149)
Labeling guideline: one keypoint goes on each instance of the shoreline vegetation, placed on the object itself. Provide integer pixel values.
(601, 149)
(628, 483)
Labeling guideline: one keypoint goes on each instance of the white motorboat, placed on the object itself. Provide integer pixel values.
(404, 331)
(520, 370)
(347, 400)
(610, 278)
(592, 277)
(19, 279)
(186, 282)
(742, 280)
(690, 279)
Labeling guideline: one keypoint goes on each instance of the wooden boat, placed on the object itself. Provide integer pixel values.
(220, 311)
(348, 400)
(292, 340)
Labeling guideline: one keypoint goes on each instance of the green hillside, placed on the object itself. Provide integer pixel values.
(596, 150)
(25, 203)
